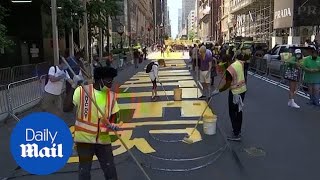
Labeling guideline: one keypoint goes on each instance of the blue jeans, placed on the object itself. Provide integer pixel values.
(314, 91)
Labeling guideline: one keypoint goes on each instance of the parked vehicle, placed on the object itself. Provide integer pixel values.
(273, 58)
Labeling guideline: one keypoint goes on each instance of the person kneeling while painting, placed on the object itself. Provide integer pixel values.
(91, 131)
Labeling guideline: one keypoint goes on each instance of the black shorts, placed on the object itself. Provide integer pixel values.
(154, 83)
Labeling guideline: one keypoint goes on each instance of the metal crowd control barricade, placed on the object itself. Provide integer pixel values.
(23, 95)
(261, 66)
(4, 106)
(5, 76)
(23, 72)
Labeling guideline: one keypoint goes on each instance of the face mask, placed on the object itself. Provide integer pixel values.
(104, 87)
(299, 56)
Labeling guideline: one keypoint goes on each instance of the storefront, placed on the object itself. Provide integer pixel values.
(295, 21)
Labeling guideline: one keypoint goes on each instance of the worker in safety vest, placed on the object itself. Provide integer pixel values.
(235, 80)
(91, 131)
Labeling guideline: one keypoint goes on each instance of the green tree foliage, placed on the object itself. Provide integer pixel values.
(191, 35)
(99, 12)
(4, 41)
(68, 16)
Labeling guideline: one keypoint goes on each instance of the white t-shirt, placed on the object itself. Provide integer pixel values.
(153, 74)
(55, 88)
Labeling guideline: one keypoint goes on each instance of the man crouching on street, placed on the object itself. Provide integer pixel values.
(235, 80)
(91, 132)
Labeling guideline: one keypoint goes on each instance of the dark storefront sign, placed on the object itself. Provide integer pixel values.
(307, 13)
(283, 13)
(293, 13)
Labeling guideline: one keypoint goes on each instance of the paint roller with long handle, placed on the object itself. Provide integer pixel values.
(106, 120)
(188, 139)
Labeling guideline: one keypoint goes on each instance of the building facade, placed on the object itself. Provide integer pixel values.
(204, 20)
(179, 20)
(191, 21)
(254, 18)
(227, 24)
(187, 6)
(296, 21)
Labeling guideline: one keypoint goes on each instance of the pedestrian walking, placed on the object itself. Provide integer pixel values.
(56, 77)
(206, 59)
(162, 51)
(136, 56)
(311, 66)
(145, 53)
(91, 133)
(214, 68)
(153, 71)
(121, 58)
(293, 74)
(235, 81)
(195, 55)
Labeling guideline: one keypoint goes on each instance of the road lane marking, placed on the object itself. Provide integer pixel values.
(283, 86)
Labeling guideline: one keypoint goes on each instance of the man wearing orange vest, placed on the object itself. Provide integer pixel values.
(91, 131)
(235, 80)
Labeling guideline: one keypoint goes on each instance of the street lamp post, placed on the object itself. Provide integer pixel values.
(120, 32)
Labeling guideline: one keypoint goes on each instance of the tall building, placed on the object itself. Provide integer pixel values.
(179, 20)
(187, 6)
(227, 24)
(191, 21)
(204, 20)
(159, 19)
(137, 19)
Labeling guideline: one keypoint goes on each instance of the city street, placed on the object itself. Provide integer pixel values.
(278, 142)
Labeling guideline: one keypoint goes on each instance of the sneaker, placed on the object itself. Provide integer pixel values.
(234, 138)
(295, 105)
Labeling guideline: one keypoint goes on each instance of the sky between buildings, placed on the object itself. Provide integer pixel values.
(174, 5)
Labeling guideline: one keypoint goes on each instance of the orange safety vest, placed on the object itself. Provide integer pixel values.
(88, 129)
(238, 84)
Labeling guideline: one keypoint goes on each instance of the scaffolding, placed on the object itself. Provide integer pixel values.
(256, 20)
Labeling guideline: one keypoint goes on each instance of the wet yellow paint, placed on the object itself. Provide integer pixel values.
(155, 109)
(155, 123)
(186, 93)
(162, 79)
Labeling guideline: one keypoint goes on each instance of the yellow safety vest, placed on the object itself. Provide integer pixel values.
(238, 84)
(88, 129)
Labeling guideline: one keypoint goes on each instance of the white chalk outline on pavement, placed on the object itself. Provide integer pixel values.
(283, 86)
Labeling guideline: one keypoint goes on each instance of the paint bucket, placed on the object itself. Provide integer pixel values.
(177, 94)
(210, 125)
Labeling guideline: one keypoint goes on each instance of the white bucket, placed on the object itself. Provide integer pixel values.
(210, 125)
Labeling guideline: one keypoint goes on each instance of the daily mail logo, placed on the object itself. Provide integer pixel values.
(33, 150)
(42, 139)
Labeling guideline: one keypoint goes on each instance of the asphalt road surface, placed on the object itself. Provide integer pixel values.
(278, 143)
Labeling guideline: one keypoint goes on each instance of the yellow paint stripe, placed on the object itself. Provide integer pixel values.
(155, 109)
(162, 79)
(168, 131)
(158, 123)
(186, 93)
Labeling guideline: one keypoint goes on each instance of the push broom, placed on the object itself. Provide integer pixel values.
(106, 121)
(188, 138)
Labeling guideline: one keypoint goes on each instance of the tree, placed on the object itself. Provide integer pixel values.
(4, 41)
(191, 35)
(69, 16)
(99, 12)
